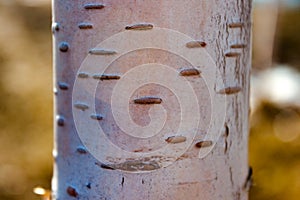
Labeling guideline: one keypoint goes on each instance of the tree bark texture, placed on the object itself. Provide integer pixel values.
(151, 99)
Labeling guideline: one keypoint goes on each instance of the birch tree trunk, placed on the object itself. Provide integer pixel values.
(151, 99)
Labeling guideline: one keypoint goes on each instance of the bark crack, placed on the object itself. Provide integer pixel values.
(122, 182)
(226, 137)
(231, 176)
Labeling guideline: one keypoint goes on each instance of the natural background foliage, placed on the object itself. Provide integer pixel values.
(26, 106)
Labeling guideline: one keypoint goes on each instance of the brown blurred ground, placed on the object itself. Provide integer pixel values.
(26, 110)
(26, 103)
(275, 128)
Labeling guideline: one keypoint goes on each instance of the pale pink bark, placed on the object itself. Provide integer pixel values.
(223, 27)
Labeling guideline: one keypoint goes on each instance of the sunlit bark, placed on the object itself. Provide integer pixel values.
(206, 46)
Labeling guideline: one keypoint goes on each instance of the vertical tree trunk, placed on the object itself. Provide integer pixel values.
(151, 99)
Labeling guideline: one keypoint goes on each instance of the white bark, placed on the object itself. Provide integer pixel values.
(200, 114)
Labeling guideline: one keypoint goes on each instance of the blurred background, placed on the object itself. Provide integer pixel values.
(26, 103)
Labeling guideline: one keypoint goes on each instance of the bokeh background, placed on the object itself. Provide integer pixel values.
(26, 99)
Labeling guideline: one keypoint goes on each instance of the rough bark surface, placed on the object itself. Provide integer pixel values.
(222, 28)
